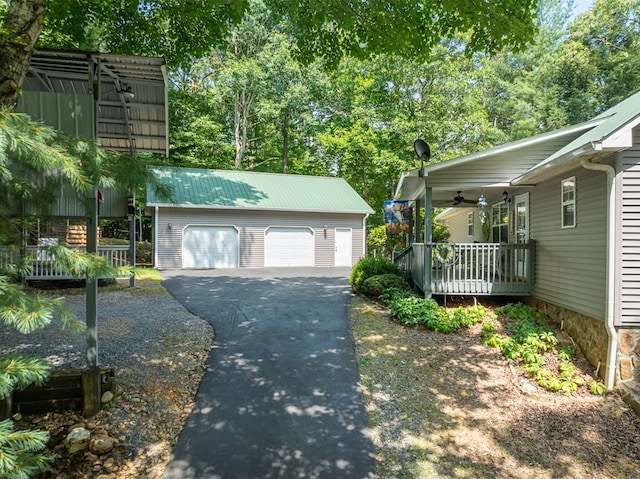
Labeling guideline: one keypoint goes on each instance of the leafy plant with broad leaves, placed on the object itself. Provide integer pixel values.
(530, 339)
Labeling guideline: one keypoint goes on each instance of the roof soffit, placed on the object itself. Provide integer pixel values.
(132, 106)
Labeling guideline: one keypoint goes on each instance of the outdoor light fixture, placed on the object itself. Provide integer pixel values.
(128, 93)
(505, 197)
(482, 204)
(169, 226)
(423, 151)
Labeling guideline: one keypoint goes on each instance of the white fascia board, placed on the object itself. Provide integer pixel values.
(248, 208)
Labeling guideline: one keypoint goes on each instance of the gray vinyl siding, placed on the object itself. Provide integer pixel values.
(457, 224)
(628, 242)
(252, 226)
(570, 262)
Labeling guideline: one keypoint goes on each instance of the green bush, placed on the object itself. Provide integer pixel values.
(413, 310)
(371, 266)
(143, 253)
(377, 285)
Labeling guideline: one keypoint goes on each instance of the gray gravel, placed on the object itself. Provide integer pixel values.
(133, 327)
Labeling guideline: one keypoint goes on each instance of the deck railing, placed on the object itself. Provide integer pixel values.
(474, 268)
(42, 268)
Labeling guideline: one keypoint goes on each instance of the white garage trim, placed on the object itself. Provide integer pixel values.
(289, 246)
(210, 246)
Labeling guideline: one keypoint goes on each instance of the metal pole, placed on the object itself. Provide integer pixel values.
(92, 231)
(92, 286)
(132, 244)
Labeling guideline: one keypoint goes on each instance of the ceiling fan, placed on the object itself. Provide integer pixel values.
(460, 199)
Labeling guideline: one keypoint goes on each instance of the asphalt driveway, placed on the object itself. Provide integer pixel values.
(281, 395)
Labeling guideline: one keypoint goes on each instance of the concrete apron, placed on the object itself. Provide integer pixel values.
(281, 395)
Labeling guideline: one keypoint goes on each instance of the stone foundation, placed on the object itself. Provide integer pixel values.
(628, 355)
(591, 337)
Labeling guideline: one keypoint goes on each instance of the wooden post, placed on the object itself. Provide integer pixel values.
(90, 391)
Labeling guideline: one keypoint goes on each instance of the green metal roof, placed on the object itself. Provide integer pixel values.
(224, 189)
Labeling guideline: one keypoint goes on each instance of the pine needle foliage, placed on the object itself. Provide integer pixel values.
(19, 458)
(35, 162)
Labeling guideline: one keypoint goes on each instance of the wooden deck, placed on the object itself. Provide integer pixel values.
(471, 268)
(42, 268)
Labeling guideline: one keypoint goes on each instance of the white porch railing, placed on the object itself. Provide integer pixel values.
(474, 268)
(42, 268)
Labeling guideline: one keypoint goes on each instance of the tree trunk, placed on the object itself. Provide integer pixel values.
(23, 25)
(285, 142)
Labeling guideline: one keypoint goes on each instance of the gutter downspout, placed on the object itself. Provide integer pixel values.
(155, 236)
(612, 348)
(364, 235)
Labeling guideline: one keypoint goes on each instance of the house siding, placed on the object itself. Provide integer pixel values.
(251, 227)
(457, 224)
(570, 262)
(628, 241)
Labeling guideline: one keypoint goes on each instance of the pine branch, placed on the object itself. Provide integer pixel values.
(19, 458)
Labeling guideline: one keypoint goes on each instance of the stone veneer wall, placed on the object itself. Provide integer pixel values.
(628, 355)
(589, 334)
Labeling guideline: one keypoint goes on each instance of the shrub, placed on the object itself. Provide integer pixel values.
(371, 266)
(413, 310)
(143, 253)
(376, 285)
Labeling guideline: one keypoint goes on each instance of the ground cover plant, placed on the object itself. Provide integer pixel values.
(445, 405)
(534, 345)
(410, 309)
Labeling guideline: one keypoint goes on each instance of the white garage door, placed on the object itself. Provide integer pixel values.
(288, 247)
(210, 247)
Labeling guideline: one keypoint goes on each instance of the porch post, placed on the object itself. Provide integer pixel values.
(417, 221)
(428, 202)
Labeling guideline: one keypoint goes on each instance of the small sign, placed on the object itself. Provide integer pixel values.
(397, 216)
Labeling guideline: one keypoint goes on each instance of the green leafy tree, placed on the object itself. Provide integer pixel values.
(599, 64)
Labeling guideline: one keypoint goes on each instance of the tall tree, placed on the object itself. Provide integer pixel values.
(182, 31)
(599, 65)
(21, 27)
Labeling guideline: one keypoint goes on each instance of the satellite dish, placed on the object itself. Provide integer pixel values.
(424, 153)
(422, 149)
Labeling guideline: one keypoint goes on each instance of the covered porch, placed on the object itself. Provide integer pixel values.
(489, 185)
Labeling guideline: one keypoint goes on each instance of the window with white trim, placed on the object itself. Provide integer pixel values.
(470, 224)
(569, 202)
(500, 223)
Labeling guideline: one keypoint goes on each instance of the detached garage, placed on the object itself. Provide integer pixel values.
(240, 219)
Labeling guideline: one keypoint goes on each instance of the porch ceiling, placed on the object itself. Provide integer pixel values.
(132, 107)
(488, 172)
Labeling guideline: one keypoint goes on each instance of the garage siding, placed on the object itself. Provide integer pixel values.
(251, 227)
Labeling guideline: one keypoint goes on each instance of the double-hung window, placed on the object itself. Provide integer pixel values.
(470, 224)
(569, 202)
(500, 223)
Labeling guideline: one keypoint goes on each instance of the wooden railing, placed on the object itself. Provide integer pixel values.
(474, 268)
(42, 268)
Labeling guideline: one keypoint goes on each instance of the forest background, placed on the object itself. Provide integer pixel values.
(258, 101)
